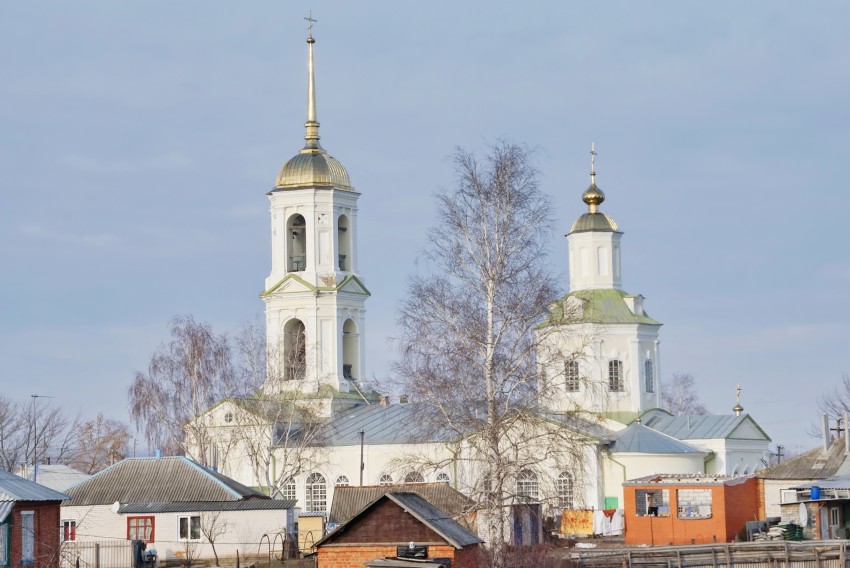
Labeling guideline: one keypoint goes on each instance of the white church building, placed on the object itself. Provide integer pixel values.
(315, 306)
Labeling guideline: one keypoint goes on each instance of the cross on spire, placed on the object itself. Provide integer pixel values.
(593, 158)
(310, 22)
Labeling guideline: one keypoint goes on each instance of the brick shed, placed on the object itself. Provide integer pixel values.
(29, 523)
(685, 509)
(387, 526)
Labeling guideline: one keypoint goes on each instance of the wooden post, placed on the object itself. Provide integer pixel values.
(787, 556)
(97, 555)
(817, 557)
(841, 555)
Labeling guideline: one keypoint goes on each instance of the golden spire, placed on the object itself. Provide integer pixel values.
(593, 196)
(311, 127)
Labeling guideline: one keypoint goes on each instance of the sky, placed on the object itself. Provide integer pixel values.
(138, 141)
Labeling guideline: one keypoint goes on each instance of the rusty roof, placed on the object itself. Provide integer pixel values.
(814, 464)
(350, 500)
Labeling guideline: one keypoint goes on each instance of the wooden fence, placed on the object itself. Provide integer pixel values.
(777, 554)
(107, 554)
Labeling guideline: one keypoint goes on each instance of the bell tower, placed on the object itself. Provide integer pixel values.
(314, 296)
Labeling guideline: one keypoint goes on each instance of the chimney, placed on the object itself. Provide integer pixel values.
(825, 429)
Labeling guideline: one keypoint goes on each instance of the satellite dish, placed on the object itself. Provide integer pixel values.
(804, 515)
(115, 506)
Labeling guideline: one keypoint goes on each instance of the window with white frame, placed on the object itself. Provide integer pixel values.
(649, 371)
(527, 486)
(385, 479)
(443, 477)
(189, 527)
(288, 489)
(414, 477)
(571, 375)
(565, 490)
(27, 537)
(69, 530)
(615, 376)
(316, 497)
(342, 481)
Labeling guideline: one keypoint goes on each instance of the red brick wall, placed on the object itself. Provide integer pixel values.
(731, 507)
(387, 522)
(46, 524)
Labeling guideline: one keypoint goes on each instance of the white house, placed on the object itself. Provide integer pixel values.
(177, 507)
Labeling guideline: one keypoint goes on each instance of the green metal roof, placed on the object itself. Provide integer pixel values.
(600, 306)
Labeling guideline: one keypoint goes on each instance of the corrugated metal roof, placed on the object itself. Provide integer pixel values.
(16, 488)
(637, 438)
(56, 476)
(198, 506)
(429, 515)
(391, 424)
(158, 480)
(836, 482)
(348, 501)
(708, 427)
(814, 464)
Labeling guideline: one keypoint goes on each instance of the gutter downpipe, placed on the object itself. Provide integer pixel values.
(611, 457)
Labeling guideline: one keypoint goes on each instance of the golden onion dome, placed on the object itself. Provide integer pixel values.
(312, 166)
(594, 219)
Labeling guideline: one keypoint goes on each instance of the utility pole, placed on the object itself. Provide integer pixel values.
(35, 437)
(362, 464)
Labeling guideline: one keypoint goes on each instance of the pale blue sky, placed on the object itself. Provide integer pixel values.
(138, 141)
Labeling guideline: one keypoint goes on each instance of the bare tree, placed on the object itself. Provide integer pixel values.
(185, 377)
(99, 443)
(679, 396)
(213, 525)
(467, 330)
(836, 402)
(33, 431)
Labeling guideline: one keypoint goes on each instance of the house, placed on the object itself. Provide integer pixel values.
(178, 507)
(688, 509)
(29, 518)
(822, 508)
(56, 476)
(399, 524)
(777, 484)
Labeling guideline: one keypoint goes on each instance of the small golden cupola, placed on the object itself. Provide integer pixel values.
(594, 219)
(312, 166)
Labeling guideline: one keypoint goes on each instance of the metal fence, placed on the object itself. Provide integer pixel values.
(107, 554)
(778, 554)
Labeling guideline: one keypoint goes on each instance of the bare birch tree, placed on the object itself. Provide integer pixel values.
(99, 443)
(34, 431)
(467, 329)
(185, 377)
(679, 396)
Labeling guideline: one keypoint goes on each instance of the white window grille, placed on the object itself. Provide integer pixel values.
(527, 486)
(571, 375)
(414, 477)
(615, 376)
(342, 481)
(565, 490)
(385, 479)
(288, 489)
(443, 477)
(316, 498)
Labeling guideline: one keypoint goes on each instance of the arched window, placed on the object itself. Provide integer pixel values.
(386, 479)
(571, 375)
(342, 481)
(316, 493)
(294, 350)
(527, 487)
(344, 243)
(565, 490)
(649, 371)
(443, 477)
(414, 477)
(615, 376)
(296, 244)
(287, 491)
(350, 350)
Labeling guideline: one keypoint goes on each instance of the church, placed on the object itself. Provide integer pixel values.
(316, 427)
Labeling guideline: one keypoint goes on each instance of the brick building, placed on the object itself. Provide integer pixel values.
(29, 523)
(686, 509)
(388, 526)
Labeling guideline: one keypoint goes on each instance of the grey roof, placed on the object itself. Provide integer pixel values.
(252, 504)
(16, 488)
(56, 476)
(814, 464)
(426, 513)
(402, 563)
(390, 424)
(637, 438)
(158, 480)
(707, 427)
(688, 479)
(836, 482)
(348, 501)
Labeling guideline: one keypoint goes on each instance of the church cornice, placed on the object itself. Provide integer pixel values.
(345, 282)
